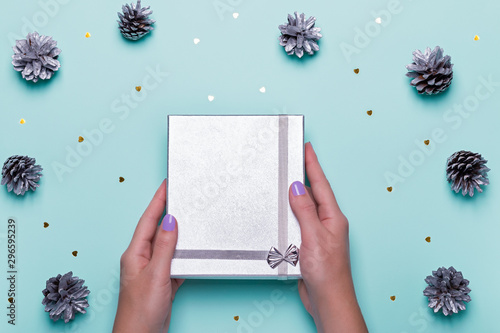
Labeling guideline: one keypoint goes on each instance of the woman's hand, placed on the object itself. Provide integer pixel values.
(326, 290)
(146, 289)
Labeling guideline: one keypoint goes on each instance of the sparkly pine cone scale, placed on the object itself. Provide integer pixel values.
(432, 73)
(64, 296)
(21, 174)
(134, 23)
(299, 35)
(36, 57)
(467, 172)
(447, 291)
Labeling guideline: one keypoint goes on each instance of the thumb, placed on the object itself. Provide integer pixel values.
(305, 211)
(164, 246)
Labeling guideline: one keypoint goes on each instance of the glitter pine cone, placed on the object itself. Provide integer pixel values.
(447, 291)
(36, 57)
(300, 35)
(431, 71)
(64, 296)
(467, 171)
(134, 22)
(20, 174)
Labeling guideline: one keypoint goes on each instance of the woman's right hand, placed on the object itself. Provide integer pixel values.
(327, 289)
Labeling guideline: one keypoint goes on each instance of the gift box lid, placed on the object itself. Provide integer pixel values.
(227, 186)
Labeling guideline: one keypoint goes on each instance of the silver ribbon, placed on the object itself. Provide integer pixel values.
(291, 256)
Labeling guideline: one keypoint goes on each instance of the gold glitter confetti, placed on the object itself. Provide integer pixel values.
(427, 142)
(22, 121)
(389, 189)
(74, 253)
(45, 224)
(428, 239)
(236, 318)
(121, 179)
(11, 300)
(138, 88)
(476, 37)
(80, 139)
(87, 35)
(369, 112)
(393, 298)
(356, 70)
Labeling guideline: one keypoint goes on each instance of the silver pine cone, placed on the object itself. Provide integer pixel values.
(64, 296)
(134, 22)
(36, 57)
(447, 290)
(431, 71)
(20, 174)
(299, 35)
(467, 171)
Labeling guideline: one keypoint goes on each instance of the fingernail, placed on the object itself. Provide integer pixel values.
(298, 188)
(168, 223)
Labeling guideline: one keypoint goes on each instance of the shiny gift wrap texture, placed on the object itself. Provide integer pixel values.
(227, 183)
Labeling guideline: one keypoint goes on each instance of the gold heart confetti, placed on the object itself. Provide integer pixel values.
(389, 189)
(210, 98)
(369, 112)
(476, 37)
(74, 253)
(427, 142)
(356, 70)
(80, 139)
(262, 89)
(45, 224)
(121, 179)
(236, 318)
(138, 88)
(428, 239)
(11, 300)
(235, 15)
(196, 41)
(393, 298)
(87, 35)
(22, 121)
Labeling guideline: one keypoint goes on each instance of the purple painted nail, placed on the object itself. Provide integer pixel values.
(298, 188)
(168, 223)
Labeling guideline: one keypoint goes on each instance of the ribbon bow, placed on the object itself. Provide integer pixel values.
(291, 256)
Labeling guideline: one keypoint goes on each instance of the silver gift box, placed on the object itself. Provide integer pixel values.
(228, 180)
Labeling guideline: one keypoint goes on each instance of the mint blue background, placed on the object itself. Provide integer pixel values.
(91, 212)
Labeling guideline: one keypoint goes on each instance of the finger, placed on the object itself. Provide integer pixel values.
(328, 209)
(305, 211)
(164, 247)
(176, 283)
(146, 228)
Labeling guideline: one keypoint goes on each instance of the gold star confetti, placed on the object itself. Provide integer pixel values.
(356, 70)
(236, 318)
(11, 300)
(87, 35)
(80, 139)
(74, 253)
(121, 179)
(389, 189)
(369, 112)
(476, 37)
(138, 88)
(45, 224)
(393, 298)
(22, 121)
(427, 142)
(428, 239)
